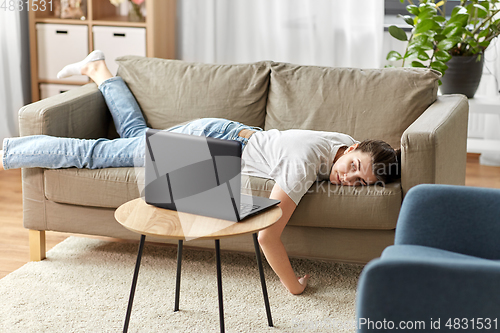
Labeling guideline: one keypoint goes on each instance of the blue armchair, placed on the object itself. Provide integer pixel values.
(443, 271)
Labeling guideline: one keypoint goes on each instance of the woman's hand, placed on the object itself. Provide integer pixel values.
(273, 248)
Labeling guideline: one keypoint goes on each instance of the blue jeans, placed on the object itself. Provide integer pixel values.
(50, 152)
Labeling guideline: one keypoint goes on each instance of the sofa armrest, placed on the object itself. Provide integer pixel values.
(79, 113)
(434, 147)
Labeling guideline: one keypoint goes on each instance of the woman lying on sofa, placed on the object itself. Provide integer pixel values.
(295, 159)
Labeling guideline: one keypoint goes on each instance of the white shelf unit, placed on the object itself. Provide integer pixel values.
(49, 52)
(483, 105)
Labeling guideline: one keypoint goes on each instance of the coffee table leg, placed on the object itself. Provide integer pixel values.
(178, 279)
(134, 283)
(262, 280)
(219, 285)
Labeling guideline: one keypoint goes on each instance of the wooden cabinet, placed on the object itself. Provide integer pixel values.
(159, 24)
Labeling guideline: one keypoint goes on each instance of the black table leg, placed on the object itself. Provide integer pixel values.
(178, 279)
(262, 280)
(219, 285)
(134, 283)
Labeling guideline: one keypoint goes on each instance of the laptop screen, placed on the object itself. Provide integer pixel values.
(193, 174)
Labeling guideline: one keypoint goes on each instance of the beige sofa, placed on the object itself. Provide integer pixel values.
(351, 224)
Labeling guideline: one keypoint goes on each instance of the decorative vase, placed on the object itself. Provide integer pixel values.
(463, 75)
(135, 14)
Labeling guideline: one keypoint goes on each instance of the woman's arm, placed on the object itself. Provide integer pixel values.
(273, 248)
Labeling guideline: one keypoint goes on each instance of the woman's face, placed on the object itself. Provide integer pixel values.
(353, 168)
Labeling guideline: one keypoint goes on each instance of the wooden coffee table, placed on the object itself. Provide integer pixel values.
(148, 220)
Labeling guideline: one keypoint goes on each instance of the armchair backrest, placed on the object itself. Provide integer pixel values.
(454, 218)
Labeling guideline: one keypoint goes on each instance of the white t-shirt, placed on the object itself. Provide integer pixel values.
(295, 159)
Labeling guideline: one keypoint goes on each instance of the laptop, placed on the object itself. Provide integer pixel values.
(198, 175)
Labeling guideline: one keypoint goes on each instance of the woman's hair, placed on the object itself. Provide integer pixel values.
(386, 160)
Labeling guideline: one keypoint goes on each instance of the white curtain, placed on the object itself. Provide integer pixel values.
(488, 125)
(14, 70)
(307, 32)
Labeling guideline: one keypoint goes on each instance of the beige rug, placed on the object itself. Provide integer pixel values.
(84, 284)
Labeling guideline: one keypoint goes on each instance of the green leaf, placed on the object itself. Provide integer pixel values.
(452, 30)
(422, 55)
(417, 64)
(394, 56)
(473, 43)
(426, 25)
(431, 33)
(421, 42)
(485, 44)
(439, 37)
(412, 9)
(458, 10)
(439, 66)
(407, 19)
(483, 33)
(427, 12)
(440, 19)
(448, 43)
(469, 5)
(421, 39)
(398, 33)
(421, 46)
(411, 53)
(460, 19)
(468, 33)
(442, 56)
(481, 11)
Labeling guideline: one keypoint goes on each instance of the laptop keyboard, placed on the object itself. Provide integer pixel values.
(247, 208)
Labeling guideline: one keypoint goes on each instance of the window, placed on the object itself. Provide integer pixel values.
(395, 7)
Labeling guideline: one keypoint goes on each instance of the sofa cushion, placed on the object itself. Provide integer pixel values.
(350, 207)
(170, 92)
(108, 188)
(333, 206)
(366, 207)
(364, 103)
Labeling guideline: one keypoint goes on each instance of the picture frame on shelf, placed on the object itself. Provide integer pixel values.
(71, 9)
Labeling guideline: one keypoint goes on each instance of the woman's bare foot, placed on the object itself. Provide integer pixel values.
(303, 280)
(1, 160)
(97, 71)
(297, 290)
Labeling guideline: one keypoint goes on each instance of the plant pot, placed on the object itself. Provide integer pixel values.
(463, 75)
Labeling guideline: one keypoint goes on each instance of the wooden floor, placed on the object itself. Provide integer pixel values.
(14, 249)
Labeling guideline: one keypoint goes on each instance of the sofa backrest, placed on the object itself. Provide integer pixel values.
(171, 92)
(364, 103)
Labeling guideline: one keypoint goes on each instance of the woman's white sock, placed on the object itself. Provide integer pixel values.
(75, 68)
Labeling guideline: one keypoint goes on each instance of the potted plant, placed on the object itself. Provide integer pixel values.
(452, 44)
